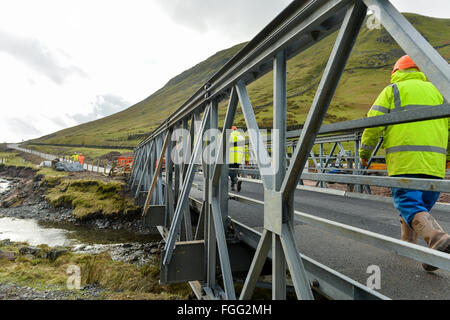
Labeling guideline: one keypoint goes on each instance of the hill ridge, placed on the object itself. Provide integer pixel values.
(366, 73)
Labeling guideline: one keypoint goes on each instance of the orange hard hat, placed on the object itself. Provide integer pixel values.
(404, 62)
(234, 128)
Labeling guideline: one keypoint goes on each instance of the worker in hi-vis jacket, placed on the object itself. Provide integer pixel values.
(414, 149)
(236, 156)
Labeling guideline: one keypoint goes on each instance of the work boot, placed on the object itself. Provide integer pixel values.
(239, 184)
(408, 234)
(428, 228)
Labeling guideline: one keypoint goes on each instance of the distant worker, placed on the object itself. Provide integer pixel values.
(414, 150)
(74, 157)
(236, 156)
(81, 159)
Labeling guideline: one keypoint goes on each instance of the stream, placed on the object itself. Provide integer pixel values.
(59, 234)
(4, 185)
(122, 244)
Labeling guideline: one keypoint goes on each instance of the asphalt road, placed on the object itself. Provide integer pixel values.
(401, 277)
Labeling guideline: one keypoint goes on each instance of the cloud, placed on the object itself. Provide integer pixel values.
(22, 127)
(37, 56)
(233, 18)
(58, 121)
(103, 106)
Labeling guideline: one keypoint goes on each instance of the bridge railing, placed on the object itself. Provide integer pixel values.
(191, 256)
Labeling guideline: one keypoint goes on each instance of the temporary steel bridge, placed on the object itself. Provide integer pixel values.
(219, 255)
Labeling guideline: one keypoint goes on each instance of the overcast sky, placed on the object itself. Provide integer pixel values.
(68, 62)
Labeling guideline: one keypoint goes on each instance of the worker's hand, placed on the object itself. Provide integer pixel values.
(447, 165)
(364, 162)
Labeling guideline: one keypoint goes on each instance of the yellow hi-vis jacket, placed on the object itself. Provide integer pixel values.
(237, 148)
(415, 147)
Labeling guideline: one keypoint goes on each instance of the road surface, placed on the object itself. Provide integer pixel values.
(401, 277)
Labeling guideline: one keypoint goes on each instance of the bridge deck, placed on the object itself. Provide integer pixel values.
(401, 278)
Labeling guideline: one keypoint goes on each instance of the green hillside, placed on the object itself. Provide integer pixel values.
(366, 73)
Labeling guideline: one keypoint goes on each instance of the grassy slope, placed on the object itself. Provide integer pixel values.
(367, 72)
(135, 122)
(119, 280)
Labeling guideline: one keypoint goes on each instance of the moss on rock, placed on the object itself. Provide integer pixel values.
(89, 198)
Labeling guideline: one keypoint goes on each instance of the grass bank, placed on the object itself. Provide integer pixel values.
(89, 197)
(13, 158)
(88, 194)
(117, 280)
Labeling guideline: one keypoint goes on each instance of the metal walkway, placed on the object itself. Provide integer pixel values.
(220, 252)
(400, 276)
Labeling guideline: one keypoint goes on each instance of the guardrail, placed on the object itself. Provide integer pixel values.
(191, 256)
(89, 166)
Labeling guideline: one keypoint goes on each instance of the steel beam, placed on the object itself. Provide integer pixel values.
(182, 201)
(279, 160)
(341, 51)
(211, 234)
(258, 145)
(419, 114)
(258, 261)
(413, 251)
(391, 182)
(145, 166)
(156, 174)
(223, 250)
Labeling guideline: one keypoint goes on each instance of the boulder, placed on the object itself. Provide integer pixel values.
(70, 167)
(7, 256)
(53, 254)
(45, 164)
(33, 251)
(5, 242)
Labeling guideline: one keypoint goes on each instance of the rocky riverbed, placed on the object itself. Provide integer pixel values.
(23, 196)
(30, 229)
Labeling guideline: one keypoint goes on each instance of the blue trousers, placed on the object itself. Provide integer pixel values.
(232, 173)
(410, 202)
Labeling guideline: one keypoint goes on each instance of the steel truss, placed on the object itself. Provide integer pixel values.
(190, 255)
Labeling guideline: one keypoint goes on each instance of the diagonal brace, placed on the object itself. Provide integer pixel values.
(156, 173)
(187, 184)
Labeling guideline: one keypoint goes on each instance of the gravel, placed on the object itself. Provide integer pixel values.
(10, 291)
(136, 253)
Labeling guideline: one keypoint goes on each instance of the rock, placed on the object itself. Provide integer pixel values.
(9, 201)
(43, 255)
(5, 243)
(79, 247)
(7, 256)
(30, 251)
(55, 253)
